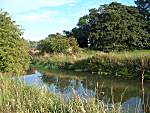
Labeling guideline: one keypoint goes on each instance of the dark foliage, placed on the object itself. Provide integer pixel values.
(112, 27)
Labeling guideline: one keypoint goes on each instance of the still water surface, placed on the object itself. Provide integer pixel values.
(66, 84)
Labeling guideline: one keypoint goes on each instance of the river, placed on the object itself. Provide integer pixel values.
(66, 84)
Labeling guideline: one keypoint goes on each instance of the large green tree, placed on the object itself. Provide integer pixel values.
(118, 27)
(144, 7)
(14, 57)
(113, 27)
(81, 32)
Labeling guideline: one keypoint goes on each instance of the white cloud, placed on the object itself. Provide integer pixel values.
(26, 5)
(43, 3)
(36, 16)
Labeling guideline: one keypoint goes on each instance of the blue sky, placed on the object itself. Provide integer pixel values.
(39, 18)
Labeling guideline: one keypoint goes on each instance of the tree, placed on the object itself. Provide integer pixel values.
(14, 57)
(32, 44)
(118, 27)
(144, 7)
(113, 27)
(81, 32)
(58, 43)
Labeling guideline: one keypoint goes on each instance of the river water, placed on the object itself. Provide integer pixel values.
(66, 84)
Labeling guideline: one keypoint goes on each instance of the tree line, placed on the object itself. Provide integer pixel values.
(114, 27)
(111, 27)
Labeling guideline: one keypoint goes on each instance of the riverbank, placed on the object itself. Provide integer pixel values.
(123, 64)
(16, 97)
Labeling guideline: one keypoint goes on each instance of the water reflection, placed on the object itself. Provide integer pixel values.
(88, 87)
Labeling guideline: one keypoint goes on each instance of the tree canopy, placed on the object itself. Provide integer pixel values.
(58, 43)
(144, 7)
(14, 57)
(112, 27)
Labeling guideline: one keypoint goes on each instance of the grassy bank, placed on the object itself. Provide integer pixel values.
(111, 64)
(59, 61)
(125, 64)
(15, 97)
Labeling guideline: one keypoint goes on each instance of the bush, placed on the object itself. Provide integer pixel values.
(58, 44)
(14, 57)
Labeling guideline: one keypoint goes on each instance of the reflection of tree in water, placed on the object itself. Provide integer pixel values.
(145, 97)
(84, 87)
(61, 83)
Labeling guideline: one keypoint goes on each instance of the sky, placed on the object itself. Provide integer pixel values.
(39, 18)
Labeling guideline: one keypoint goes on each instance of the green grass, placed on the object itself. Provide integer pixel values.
(126, 64)
(18, 98)
(85, 53)
(56, 61)
(60, 57)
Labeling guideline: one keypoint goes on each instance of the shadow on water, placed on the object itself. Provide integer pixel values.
(110, 90)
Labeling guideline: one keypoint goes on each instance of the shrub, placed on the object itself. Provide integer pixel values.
(58, 44)
(14, 57)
